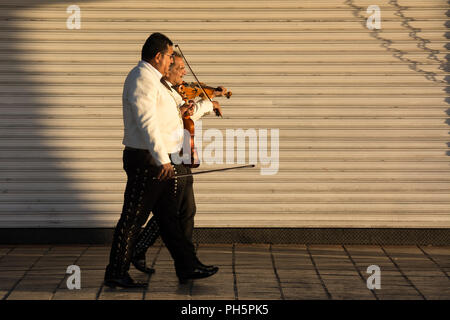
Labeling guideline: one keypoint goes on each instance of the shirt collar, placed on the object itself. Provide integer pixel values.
(149, 66)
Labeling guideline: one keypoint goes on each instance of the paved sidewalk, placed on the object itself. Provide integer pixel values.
(259, 272)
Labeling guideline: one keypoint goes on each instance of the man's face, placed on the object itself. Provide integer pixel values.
(164, 60)
(177, 72)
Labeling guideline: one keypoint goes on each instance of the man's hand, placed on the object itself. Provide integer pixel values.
(219, 93)
(216, 108)
(187, 107)
(165, 171)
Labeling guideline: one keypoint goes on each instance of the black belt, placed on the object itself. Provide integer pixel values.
(134, 149)
(143, 150)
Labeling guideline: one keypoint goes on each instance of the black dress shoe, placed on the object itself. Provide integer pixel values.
(141, 266)
(197, 273)
(125, 282)
(207, 267)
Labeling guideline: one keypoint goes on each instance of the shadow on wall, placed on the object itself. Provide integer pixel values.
(422, 44)
(41, 179)
(447, 69)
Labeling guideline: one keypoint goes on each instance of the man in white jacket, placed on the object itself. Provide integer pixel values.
(187, 208)
(153, 131)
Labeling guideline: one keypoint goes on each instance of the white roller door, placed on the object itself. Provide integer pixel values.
(361, 114)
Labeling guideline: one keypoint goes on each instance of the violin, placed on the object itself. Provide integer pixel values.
(189, 92)
(193, 90)
(189, 125)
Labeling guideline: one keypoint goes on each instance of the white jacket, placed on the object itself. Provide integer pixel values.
(151, 116)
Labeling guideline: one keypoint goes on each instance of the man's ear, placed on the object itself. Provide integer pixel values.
(158, 57)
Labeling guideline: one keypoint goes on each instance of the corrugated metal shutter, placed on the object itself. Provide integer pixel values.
(361, 113)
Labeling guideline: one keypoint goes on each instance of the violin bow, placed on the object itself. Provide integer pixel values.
(208, 171)
(198, 81)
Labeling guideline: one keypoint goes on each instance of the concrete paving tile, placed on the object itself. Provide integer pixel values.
(288, 247)
(121, 294)
(444, 250)
(293, 272)
(4, 250)
(30, 249)
(307, 285)
(399, 297)
(409, 249)
(253, 286)
(46, 260)
(212, 291)
(289, 250)
(86, 282)
(157, 296)
(334, 261)
(299, 268)
(299, 294)
(37, 294)
(46, 284)
(399, 290)
(387, 269)
(338, 272)
(251, 247)
(363, 247)
(259, 288)
(437, 297)
(217, 246)
(213, 297)
(259, 275)
(82, 294)
(421, 271)
(17, 262)
(293, 282)
(353, 296)
(371, 260)
(254, 269)
(444, 265)
(325, 247)
(8, 284)
(170, 288)
(7, 274)
(443, 292)
(251, 261)
(428, 279)
(245, 281)
(392, 281)
(3, 294)
(225, 282)
(259, 296)
(282, 261)
(169, 284)
(345, 286)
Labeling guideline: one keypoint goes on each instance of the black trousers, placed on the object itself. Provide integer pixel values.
(186, 214)
(142, 195)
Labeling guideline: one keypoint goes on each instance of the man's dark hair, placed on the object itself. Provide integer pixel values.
(157, 42)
